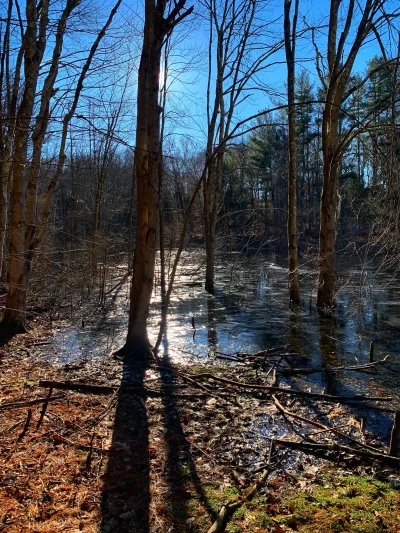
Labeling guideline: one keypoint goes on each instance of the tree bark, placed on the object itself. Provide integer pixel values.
(290, 43)
(147, 157)
(335, 84)
(24, 235)
(33, 45)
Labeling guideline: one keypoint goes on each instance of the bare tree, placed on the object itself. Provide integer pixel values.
(157, 27)
(290, 48)
(27, 226)
(237, 34)
(9, 92)
(368, 17)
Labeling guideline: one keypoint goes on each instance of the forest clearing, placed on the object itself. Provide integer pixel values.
(199, 250)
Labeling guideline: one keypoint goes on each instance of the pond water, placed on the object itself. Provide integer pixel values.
(250, 312)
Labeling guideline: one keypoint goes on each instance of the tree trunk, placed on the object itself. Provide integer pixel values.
(147, 155)
(147, 165)
(4, 181)
(24, 238)
(290, 36)
(334, 143)
(34, 44)
(14, 317)
(329, 210)
(209, 234)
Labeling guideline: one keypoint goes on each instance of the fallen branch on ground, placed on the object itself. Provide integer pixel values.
(340, 448)
(78, 387)
(86, 388)
(227, 510)
(290, 371)
(320, 426)
(17, 405)
(326, 397)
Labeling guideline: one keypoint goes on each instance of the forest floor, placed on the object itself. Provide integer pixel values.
(166, 448)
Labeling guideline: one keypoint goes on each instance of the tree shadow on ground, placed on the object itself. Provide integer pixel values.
(6, 334)
(181, 473)
(126, 497)
(126, 494)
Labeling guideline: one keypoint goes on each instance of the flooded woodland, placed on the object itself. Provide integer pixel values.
(166, 449)
(199, 266)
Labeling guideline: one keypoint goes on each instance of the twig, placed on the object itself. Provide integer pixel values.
(265, 358)
(97, 418)
(371, 352)
(89, 456)
(227, 510)
(394, 438)
(13, 426)
(288, 371)
(26, 426)
(263, 352)
(43, 411)
(17, 405)
(62, 440)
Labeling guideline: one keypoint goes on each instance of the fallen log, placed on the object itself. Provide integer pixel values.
(271, 388)
(339, 448)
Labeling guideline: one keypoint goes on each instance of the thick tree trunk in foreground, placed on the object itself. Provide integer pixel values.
(25, 233)
(330, 206)
(147, 157)
(33, 45)
(290, 42)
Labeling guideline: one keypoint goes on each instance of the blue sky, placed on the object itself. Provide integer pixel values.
(189, 93)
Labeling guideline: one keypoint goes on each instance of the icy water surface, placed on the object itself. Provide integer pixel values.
(250, 312)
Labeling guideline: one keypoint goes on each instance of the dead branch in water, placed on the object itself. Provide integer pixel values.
(339, 448)
(325, 397)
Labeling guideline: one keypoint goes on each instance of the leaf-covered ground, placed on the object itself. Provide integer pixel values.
(167, 450)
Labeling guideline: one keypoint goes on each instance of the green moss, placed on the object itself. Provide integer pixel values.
(348, 504)
(351, 504)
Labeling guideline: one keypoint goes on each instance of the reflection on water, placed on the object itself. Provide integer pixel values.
(250, 312)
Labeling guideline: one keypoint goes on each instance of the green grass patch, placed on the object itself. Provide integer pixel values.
(350, 504)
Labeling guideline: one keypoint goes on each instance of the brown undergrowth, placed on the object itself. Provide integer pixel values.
(162, 451)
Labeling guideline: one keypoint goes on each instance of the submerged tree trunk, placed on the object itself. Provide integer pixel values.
(334, 142)
(290, 42)
(330, 206)
(209, 234)
(212, 198)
